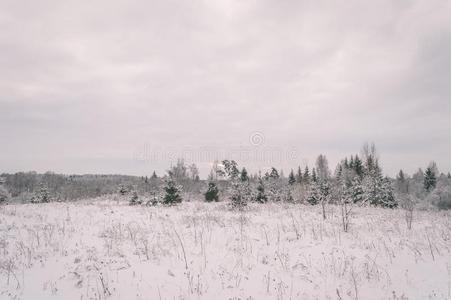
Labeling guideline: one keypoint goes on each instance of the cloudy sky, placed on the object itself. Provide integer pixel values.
(127, 86)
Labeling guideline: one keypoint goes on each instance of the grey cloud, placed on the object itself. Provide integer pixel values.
(85, 84)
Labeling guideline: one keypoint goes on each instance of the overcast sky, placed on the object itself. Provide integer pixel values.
(127, 86)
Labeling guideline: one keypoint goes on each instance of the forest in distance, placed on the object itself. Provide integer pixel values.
(357, 179)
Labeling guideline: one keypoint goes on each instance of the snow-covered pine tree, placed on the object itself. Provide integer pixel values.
(274, 186)
(230, 169)
(299, 175)
(314, 178)
(372, 187)
(430, 179)
(243, 175)
(261, 195)
(313, 196)
(356, 190)
(378, 190)
(172, 193)
(358, 166)
(274, 174)
(291, 178)
(240, 194)
(387, 198)
(212, 193)
(351, 162)
(339, 171)
(306, 177)
(41, 195)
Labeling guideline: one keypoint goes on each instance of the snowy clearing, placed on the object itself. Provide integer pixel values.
(105, 249)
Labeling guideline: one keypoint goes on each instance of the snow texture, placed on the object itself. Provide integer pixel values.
(105, 249)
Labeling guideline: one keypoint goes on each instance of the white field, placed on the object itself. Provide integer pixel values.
(103, 249)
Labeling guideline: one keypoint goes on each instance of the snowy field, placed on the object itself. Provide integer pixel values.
(105, 249)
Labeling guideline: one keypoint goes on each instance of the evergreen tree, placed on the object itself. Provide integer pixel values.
(430, 179)
(378, 190)
(41, 196)
(319, 192)
(387, 198)
(274, 185)
(154, 175)
(299, 175)
(449, 175)
(306, 175)
(230, 169)
(314, 178)
(356, 190)
(338, 171)
(314, 196)
(172, 193)
(358, 166)
(291, 178)
(261, 196)
(212, 193)
(324, 194)
(243, 175)
(274, 174)
(351, 163)
(240, 194)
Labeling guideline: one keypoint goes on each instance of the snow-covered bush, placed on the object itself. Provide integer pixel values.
(135, 200)
(441, 195)
(212, 193)
(122, 190)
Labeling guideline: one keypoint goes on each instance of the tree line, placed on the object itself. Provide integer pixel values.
(356, 180)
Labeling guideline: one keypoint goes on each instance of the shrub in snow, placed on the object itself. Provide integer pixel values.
(212, 193)
(172, 193)
(444, 204)
(122, 190)
(135, 200)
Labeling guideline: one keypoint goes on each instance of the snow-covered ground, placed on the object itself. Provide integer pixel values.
(103, 249)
